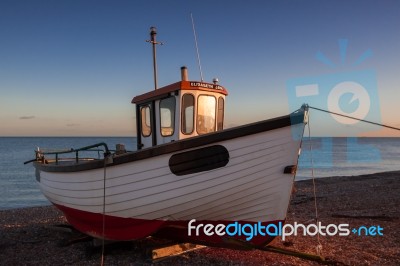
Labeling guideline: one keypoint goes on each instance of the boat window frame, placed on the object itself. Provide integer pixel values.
(143, 122)
(193, 116)
(197, 113)
(222, 112)
(173, 113)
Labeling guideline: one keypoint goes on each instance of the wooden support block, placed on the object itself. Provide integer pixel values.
(172, 250)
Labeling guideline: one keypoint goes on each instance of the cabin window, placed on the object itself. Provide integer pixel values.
(145, 119)
(167, 116)
(187, 113)
(205, 114)
(220, 114)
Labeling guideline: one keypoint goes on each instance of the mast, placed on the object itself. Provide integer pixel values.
(153, 41)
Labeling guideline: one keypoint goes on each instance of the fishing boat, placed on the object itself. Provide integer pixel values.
(186, 166)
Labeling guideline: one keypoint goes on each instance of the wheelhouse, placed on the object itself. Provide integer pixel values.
(180, 110)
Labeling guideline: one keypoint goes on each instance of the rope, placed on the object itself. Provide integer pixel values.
(355, 118)
(319, 246)
(104, 209)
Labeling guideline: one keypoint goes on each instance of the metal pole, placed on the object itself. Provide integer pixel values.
(153, 34)
(153, 41)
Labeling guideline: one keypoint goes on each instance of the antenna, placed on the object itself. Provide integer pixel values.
(197, 48)
(153, 33)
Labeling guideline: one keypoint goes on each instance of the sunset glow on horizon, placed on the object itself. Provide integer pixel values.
(71, 68)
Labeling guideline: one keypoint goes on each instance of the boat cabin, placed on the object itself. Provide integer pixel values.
(180, 110)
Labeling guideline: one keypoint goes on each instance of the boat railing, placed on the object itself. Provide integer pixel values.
(40, 154)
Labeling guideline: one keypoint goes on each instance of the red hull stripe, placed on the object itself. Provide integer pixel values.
(116, 228)
(124, 229)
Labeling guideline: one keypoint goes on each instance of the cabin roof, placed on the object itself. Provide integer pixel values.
(181, 85)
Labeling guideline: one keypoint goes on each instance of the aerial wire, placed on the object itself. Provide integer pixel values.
(197, 48)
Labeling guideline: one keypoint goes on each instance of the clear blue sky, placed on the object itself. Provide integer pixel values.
(71, 68)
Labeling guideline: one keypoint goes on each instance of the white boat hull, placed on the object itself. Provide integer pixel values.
(251, 187)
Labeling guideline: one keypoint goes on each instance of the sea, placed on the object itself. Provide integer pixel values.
(319, 158)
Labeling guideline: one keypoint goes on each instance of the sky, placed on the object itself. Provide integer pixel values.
(71, 68)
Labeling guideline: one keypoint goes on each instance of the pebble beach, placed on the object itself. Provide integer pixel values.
(29, 237)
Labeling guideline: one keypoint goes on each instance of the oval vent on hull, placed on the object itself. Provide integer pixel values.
(199, 160)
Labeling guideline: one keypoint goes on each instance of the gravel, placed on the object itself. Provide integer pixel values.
(31, 236)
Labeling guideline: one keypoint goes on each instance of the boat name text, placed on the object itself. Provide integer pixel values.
(206, 85)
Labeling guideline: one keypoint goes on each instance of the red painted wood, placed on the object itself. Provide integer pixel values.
(123, 229)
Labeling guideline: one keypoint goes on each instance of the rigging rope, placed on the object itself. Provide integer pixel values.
(104, 209)
(355, 118)
(319, 246)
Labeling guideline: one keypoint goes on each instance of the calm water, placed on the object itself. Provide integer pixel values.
(348, 156)
(18, 187)
(331, 157)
